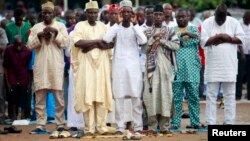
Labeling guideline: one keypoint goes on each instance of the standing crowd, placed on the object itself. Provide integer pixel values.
(131, 68)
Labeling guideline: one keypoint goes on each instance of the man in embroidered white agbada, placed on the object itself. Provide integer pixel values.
(126, 70)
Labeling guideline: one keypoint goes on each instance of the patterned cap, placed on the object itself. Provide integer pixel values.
(91, 5)
(114, 7)
(48, 4)
(126, 3)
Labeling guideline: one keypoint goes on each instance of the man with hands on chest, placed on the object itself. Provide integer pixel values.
(47, 33)
(220, 37)
(48, 38)
(90, 60)
(223, 37)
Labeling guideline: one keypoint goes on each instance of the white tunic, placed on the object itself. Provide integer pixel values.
(246, 29)
(74, 119)
(126, 70)
(127, 103)
(221, 60)
(170, 24)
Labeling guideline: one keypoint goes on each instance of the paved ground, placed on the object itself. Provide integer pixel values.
(243, 117)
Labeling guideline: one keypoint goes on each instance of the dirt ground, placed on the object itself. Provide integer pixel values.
(243, 117)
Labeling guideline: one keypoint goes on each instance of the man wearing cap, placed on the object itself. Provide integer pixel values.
(104, 16)
(48, 38)
(90, 59)
(158, 94)
(113, 14)
(126, 71)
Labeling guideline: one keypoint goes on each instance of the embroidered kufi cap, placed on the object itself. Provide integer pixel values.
(48, 4)
(114, 7)
(126, 3)
(91, 5)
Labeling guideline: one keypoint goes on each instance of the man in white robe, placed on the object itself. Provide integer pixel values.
(220, 36)
(126, 71)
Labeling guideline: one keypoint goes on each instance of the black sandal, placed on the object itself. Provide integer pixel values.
(12, 129)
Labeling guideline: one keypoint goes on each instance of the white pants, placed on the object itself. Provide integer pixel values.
(128, 110)
(228, 89)
(74, 119)
(120, 113)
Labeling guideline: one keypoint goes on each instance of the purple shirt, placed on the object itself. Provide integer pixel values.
(16, 62)
(71, 28)
(67, 59)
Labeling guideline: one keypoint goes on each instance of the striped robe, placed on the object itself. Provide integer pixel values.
(159, 99)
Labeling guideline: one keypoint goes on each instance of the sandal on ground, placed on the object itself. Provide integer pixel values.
(4, 132)
(12, 129)
(54, 135)
(64, 134)
(136, 136)
(127, 135)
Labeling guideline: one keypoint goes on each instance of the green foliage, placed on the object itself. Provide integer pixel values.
(208, 4)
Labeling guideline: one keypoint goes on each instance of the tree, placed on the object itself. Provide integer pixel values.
(209, 4)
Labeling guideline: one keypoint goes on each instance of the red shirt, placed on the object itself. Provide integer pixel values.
(16, 62)
(201, 52)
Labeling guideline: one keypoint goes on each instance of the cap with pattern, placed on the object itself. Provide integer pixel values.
(48, 4)
(91, 5)
(114, 7)
(126, 3)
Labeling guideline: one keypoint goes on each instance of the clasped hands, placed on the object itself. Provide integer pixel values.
(157, 37)
(222, 38)
(47, 33)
